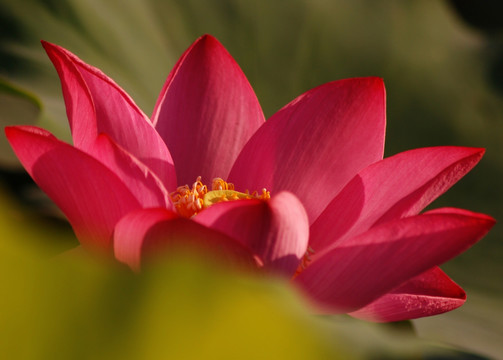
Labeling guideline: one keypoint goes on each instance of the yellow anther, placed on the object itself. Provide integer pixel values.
(221, 184)
(188, 201)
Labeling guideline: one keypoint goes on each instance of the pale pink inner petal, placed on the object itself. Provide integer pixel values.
(276, 230)
(206, 112)
(317, 143)
(158, 233)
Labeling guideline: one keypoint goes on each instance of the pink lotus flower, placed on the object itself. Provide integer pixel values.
(339, 221)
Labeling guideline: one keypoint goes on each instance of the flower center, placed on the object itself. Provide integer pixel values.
(189, 201)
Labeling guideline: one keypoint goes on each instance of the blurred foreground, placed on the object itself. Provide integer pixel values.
(74, 306)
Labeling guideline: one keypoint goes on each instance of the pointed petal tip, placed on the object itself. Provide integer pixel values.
(93, 99)
(50, 47)
(341, 124)
(377, 84)
(478, 152)
(209, 44)
(468, 150)
(368, 81)
(482, 151)
(9, 130)
(53, 50)
(13, 131)
(419, 177)
(489, 220)
(206, 90)
(208, 38)
(428, 294)
(374, 80)
(405, 307)
(91, 196)
(438, 236)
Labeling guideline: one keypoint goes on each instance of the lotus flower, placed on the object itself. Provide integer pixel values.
(305, 195)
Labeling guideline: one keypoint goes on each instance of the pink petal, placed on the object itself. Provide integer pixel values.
(130, 233)
(139, 179)
(78, 100)
(430, 293)
(398, 186)
(95, 104)
(361, 269)
(150, 232)
(89, 194)
(276, 230)
(317, 143)
(206, 112)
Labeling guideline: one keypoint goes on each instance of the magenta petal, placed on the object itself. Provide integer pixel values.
(398, 186)
(89, 194)
(206, 112)
(79, 102)
(361, 269)
(95, 104)
(317, 143)
(152, 232)
(276, 230)
(139, 179)
(430, 293)
(130, 233)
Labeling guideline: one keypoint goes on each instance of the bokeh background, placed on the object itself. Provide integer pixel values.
(442, 63)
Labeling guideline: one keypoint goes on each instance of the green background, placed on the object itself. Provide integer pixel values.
(443, 69)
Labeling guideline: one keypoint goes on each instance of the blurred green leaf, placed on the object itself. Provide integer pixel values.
(18, 107)
(82, 310)
(74, 306)
(77, 306)
(131, 48)
(479, 321)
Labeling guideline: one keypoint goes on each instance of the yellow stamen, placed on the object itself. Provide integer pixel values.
(220, 184)
(189, 201)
